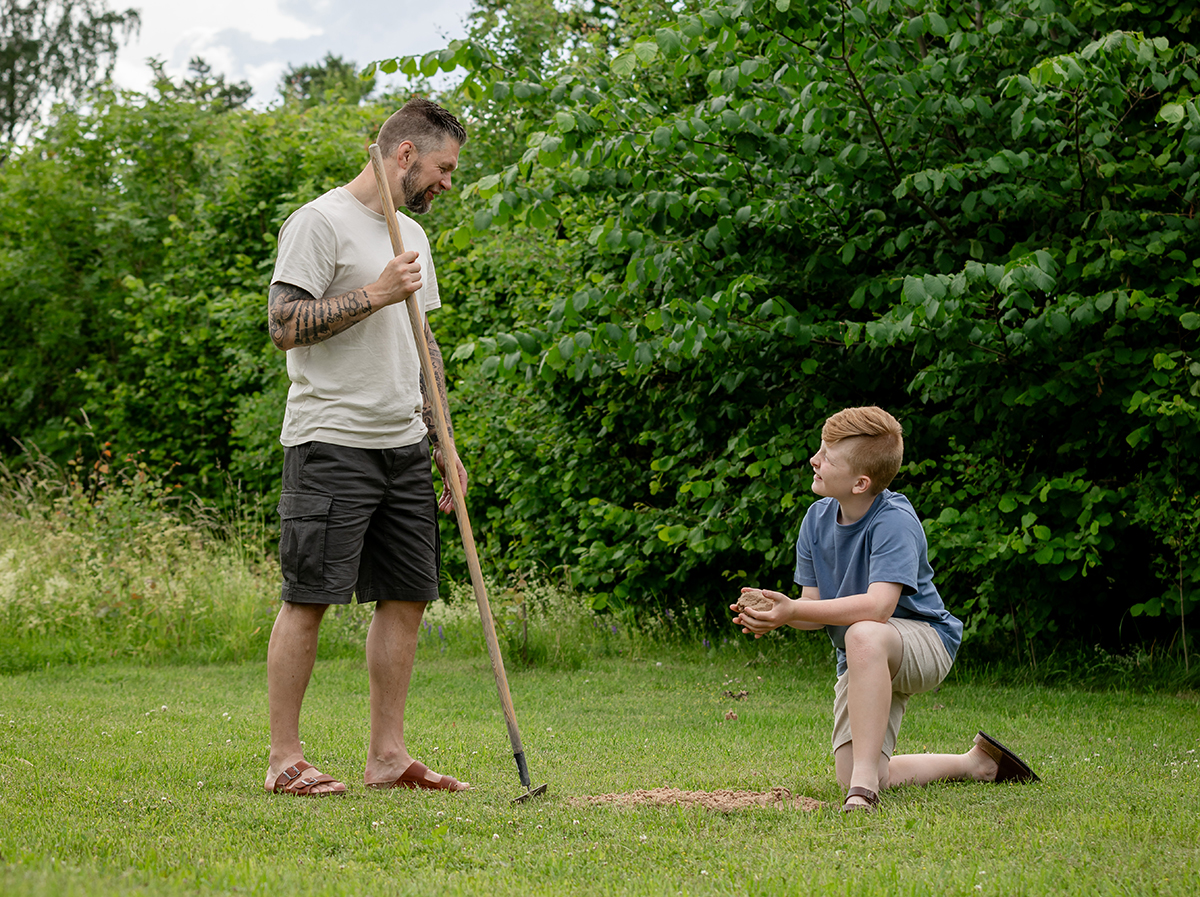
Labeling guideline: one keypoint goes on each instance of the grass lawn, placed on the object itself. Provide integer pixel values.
(136, 780)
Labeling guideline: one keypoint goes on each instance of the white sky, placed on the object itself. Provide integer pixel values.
(256, 40)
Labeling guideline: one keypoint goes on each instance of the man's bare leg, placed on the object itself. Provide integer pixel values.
(290, 657)
(391, 650)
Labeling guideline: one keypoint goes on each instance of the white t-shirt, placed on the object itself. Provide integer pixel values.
(359, 388)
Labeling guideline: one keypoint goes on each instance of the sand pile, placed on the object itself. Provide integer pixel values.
(723, 801)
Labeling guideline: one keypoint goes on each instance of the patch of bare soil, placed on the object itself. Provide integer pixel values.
(724, 801)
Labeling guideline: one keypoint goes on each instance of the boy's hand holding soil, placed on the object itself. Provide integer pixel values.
(760, 611)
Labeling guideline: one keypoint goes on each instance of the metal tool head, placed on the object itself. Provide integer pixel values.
(533, 792)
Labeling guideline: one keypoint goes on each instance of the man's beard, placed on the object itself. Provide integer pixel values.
(414, 195)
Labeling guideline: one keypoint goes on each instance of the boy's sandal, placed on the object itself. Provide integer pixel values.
(871, 798)
(1010, 767)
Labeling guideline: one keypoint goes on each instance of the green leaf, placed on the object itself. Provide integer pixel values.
(623, 64)
(646, 51)
(565, 120)
(1190, 320)
(466, 350)
(673, 535)
(914, 289)
(668, 41)
(1171, 113)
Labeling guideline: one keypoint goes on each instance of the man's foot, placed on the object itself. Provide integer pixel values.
(304, 779)
(418, 775)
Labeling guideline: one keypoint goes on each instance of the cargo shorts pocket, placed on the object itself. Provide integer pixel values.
(303, 517)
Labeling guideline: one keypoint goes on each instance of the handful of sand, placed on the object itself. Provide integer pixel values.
(754, 599)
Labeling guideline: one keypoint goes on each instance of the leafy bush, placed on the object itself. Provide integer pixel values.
(980, 218)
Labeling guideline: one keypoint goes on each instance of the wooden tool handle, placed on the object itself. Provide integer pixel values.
(450, 459)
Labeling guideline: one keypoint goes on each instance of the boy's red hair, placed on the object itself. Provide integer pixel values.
(873, 442)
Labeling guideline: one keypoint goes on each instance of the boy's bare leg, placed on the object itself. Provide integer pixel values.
(391, 651)
(290, 657)
(921, 769)
(873, 654)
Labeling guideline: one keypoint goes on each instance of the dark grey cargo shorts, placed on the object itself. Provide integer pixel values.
(358, 521)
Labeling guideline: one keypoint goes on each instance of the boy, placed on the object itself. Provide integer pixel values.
(863, 569)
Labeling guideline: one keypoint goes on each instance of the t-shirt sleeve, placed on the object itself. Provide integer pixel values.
(806, 572)
(897, 543)
(429, 285)
(307, 255)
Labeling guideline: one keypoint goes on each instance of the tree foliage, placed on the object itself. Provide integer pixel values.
(136, 245)
(54, 50)
(330, 80)
(689, 232)
(741, 216)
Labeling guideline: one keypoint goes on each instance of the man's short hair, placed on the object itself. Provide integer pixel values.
(423, 123)
(872, 440)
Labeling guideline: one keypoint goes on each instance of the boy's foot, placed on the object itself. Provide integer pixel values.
(1009, 767)
(858, 798)
(304, 779)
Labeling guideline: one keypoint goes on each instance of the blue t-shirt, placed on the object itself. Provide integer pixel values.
(887, 544)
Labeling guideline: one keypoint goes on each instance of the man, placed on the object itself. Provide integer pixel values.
(358, 509)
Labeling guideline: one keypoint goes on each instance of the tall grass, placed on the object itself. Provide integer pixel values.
(106, 560)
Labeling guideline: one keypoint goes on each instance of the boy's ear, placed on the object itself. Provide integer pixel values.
(862, 485)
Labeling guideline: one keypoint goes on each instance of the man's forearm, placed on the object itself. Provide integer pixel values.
(439, 376)
(297, 318)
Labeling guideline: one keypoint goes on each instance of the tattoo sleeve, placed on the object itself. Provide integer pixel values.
(439, 376)
(297, 318)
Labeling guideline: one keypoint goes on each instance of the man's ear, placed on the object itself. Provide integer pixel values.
(406, 154)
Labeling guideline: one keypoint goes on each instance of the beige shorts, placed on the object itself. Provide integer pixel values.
(924, 663)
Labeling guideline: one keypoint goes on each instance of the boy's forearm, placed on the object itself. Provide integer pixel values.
(807, 596)
(877, 603)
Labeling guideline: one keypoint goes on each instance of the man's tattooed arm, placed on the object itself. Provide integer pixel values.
(439, 376)
(297, 318)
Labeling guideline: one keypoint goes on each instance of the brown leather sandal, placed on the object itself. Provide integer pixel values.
(1011, 768)
(290, 782)
(414, 777)
(866, 794)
